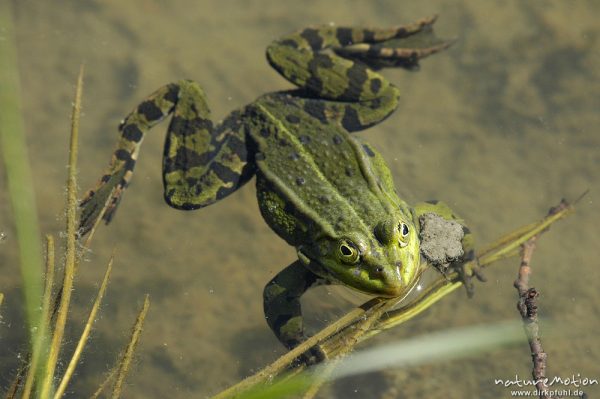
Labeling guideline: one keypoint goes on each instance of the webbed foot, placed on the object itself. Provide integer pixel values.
(312, 356)
(467, 270)
(401, 46)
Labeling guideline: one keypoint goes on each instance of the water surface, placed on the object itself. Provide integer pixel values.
(501, 127)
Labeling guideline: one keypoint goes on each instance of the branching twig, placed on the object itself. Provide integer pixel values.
(528, 309)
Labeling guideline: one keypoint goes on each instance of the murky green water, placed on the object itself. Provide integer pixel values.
(501, 127)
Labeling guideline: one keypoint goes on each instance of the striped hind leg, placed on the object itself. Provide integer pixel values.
(202, 165)
(198, 160)
(341, 63)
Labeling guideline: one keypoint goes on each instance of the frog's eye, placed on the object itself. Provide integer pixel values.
(404, 230)
(348, 252)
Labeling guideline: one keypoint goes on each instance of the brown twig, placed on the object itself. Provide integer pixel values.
(528, 309)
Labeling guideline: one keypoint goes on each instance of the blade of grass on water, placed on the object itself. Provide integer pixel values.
(18, 173)
(39, 348)
(434, 347)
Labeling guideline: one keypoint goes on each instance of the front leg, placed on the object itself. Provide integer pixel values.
(282, 302)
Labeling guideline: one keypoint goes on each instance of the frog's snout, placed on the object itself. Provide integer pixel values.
(390, 279)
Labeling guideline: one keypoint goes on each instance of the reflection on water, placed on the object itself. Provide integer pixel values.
(500, 127)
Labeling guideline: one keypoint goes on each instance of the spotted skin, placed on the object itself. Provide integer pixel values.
(201, 163)
(324, 191)
(281, 304)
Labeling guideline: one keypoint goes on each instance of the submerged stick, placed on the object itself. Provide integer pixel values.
(528, 309)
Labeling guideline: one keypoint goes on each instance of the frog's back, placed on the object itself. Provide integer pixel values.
(307, 158)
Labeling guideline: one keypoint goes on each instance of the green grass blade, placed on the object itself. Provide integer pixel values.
(20, 183)
(70, 252)
(432, 348)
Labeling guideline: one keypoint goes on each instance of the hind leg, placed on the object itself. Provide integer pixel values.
(201, 163)
(282, 302)
(339, 64)
(199, 168)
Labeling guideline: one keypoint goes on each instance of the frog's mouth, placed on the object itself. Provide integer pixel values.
(380, 281)
(394, 286)
(389, 282)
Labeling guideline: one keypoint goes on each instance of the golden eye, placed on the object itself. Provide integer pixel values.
(404, 230)
(348, 252)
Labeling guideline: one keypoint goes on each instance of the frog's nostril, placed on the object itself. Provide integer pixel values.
(398, 264)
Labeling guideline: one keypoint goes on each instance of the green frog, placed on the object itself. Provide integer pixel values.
(326, 192)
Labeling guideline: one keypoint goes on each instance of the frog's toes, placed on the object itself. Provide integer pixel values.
(102, 201)
(403, 46)
(392, 54)
(467, 270)
(312, 356)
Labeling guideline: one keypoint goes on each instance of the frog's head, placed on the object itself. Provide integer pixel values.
(383, 262)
